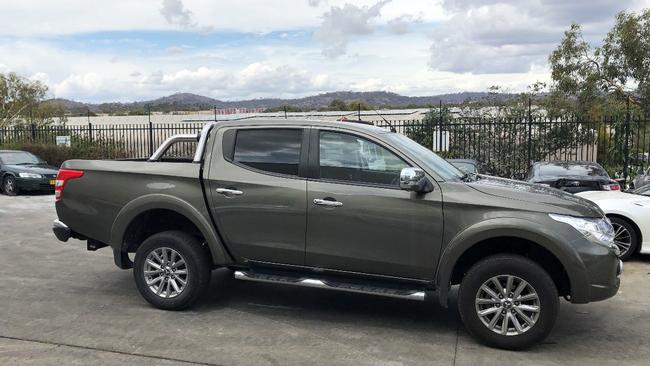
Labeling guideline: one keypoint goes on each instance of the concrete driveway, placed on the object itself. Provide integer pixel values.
(62, 305)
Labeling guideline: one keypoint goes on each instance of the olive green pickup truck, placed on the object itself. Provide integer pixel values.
(341, 206)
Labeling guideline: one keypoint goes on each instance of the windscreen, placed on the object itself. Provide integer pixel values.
(568, 169)
(19, 158)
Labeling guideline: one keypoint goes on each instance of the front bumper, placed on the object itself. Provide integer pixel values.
(600, 292)
(35, 184)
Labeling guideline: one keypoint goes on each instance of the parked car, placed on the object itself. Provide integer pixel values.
(572, 176)
(642, 179)
(469, 166)
(346, 207)
(23, 171)
(643, 191)
(630, 216)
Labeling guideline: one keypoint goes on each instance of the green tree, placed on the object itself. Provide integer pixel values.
(601, 78)
(359, 105)
(337, 105)
(18, 98)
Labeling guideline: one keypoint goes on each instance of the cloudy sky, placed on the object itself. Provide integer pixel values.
(124, 50)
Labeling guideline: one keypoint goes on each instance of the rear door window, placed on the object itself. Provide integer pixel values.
(271, 150)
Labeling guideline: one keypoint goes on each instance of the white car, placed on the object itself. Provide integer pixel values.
(630, 216)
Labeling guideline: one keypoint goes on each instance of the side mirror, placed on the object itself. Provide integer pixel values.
(414, 180)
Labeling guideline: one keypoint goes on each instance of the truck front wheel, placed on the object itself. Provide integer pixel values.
(171, 270)
(508, 301)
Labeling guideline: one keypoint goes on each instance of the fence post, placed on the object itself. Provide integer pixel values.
(285, 112)
(215, 113)
(627, 142)
(90, 132)
(150, 131)
(33, 132)
(439, 125)
(530, 133)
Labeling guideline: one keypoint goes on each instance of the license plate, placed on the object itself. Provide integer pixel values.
(52, 182)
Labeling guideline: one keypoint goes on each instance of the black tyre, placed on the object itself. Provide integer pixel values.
(9, 186)
(625, 237)
(172, 270)
(508, 301)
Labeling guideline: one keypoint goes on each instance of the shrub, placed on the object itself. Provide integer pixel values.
(56, 155)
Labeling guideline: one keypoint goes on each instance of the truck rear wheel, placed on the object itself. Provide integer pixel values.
(508, 301)
(171, 270)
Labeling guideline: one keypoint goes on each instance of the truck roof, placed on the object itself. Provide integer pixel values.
(353, 125)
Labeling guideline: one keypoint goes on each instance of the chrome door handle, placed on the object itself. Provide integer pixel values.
(229, 192)
(327, 203)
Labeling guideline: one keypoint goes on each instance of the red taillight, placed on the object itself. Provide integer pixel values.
(612, 187)
(62, 179)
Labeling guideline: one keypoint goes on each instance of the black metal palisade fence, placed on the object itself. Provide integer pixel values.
(506, 146)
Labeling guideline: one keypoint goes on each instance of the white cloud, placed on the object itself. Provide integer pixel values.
(88, 84)
(288, 48)
(175, 50)
(175, 13)
(499, 36)
(402, 24)
(340, 24)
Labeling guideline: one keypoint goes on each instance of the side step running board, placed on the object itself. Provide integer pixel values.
(409, 294)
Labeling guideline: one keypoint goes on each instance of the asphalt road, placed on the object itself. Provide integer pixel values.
(62, 305)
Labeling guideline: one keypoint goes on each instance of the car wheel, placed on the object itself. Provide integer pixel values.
(172, 270)
(9, 186)
(508, 301)
(625, 237)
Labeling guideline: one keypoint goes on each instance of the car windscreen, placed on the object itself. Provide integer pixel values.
(19, 158)
(434, 162)
(570, 169)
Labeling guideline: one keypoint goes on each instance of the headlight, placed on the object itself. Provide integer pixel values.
(30, 175)
(599, 230)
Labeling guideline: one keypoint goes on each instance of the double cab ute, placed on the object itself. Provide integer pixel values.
(341, 206)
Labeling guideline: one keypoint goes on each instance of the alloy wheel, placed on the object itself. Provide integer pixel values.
(9, 185)
(622, 238)
(165, 272)
(507, 305)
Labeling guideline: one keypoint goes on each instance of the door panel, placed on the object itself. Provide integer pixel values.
(364, 222)
(375, 230)
(267, 221)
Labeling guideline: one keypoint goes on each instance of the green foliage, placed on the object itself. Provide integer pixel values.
(288, 108)
(19, 97)
(425, 131)
(599, 80)
(359, 105)
(337, 105)
(340, 105)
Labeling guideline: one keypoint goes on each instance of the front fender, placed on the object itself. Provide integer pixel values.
(534, 231)
(161, 201)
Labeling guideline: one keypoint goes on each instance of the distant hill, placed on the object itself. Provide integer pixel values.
(194, 102)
